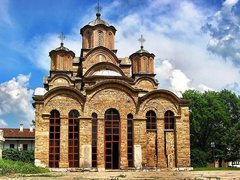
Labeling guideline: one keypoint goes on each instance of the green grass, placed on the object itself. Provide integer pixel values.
(10, 167)
(216, 169)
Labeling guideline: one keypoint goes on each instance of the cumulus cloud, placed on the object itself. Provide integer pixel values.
(37, 50)
(224, 31)
(3, 123)
(173, 30)
(16, 100)
(4, 15)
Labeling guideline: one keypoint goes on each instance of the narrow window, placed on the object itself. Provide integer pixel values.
(89, 39)
(151, 120)
(130, 139)
(100, 38)
(73, 138)
(54, 139)
(169, 120)
(12, 146)
(94, 139)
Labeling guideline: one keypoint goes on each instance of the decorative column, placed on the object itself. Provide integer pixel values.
(139, 142)
(161, 161)
(63, 142)
(100, 145)
(85, 129)
(42, 139)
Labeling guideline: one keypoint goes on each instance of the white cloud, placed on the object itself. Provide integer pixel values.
(224, 32)
(230, 2)
(16, 99)
(3, 123)
(175, 34)
(4, 15)
(37, 51)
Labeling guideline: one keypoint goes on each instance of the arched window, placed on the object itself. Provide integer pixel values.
(73, 138)
(130, 139)
(100, 38)
(94, 139)
(169, 120)
(89, 35)
(112, 139)
(54, 139)
(151, 120)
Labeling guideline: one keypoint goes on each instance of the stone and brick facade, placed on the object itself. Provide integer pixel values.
(101, 111)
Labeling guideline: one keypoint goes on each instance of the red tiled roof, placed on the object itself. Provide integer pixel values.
(15, 133)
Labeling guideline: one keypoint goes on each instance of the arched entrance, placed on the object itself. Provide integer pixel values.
(112, 138)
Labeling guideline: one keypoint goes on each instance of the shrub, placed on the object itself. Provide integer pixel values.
(15, 155)
(198, 158)
(8, 166)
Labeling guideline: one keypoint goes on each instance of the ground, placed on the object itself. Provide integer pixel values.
(168, 175)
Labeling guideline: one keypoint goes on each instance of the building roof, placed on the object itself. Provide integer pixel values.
(97, 21)
(16, 133)
(142, 50)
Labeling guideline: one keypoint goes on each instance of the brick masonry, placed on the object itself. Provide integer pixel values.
(127, 94)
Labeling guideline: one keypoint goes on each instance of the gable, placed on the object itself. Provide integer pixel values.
(99, 55)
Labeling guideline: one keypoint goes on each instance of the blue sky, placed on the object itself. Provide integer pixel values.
(196, 43)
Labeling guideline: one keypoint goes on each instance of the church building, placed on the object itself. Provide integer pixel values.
(99, 111)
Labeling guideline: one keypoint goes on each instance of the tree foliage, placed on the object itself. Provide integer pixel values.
(16, 155)
(214, 117)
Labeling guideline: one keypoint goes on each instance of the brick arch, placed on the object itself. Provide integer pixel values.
(99, 50)
(119, 92)
(64, 91)
(61, 76)
(139, 81)
(103, 65)
(160, 101)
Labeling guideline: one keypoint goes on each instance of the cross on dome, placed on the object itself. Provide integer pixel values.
(141, 40)
(98, 9)
(61, 37)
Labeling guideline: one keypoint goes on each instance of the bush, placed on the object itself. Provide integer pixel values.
(198, 158)
(15, 155)
(8, 166)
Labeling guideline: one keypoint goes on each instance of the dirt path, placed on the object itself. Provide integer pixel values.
(194, 175)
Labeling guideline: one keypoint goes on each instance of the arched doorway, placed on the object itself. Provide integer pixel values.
(112, 138)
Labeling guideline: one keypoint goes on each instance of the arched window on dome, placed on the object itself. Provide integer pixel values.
(100, 38)
(89, 38)
(169, 120)
(151, 120)
(54, 139)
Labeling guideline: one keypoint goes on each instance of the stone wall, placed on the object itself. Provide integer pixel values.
(151, 150)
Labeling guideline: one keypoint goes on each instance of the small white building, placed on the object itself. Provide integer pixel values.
(18, 138)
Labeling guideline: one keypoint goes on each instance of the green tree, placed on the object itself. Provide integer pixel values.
(214, 117)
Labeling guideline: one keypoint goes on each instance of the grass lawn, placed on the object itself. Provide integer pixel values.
(216, 169)
(9, 167)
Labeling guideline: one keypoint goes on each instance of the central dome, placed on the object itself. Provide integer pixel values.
(97, 21)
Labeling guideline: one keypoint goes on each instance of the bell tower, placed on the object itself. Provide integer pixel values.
(142, 61)
(61, 57)
(98, 33)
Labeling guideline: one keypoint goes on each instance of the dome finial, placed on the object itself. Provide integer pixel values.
(141, 40)
(61, 37)
(98, 9)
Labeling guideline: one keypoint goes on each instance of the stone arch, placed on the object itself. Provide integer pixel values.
(146, 83)
(91, 57)
(107, 95)
(65, 92)
(60, 80)
(160, 101)
(103, 65)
